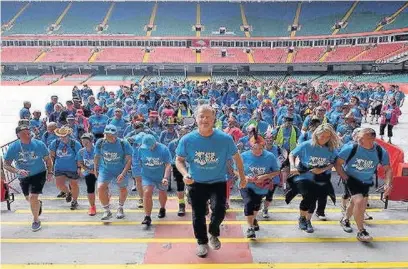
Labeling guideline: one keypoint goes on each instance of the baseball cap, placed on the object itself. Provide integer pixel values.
(98, 109)
(153, 114)
(22, 128)
(110, 129)
(148, 141)
(88, 136)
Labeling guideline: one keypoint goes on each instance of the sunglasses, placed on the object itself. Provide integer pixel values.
(113, 130)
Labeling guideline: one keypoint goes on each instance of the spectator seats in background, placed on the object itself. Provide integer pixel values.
(175, 19)
(216, 15)
(120, 55)
(344, 54)
(275, 55)
(67, 54)
(379, 51)
(308, 55)
(172, 55)
(19, 54)
(212, 55)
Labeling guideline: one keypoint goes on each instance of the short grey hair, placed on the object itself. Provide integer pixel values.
(205, 107)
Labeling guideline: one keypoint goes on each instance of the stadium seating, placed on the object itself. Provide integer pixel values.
(344, 54)
(17, 78)
(278, 77)
(400, 22)
(115, 78)
(308, 55)
(168, 77)
(37, 18)
(19, 54)
(220, 77)
(130, 18)
(302, 77)
(367, 15)
(379, 51)
(216, 15)
(172, 55)
(9, 9)
(270, 19)
(210, 55)
(175, 19)
(270, 55)
(317, 18)
(120, 55)
(67, 54)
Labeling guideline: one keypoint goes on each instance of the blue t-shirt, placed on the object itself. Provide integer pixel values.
(98, 123)
(28, 156)
(112, 156)
(166, 137)
(120, 125)
(48, 138)
(88, 159)
(364, 163)
(313, 157)
(25, 113)
(207, 156)
(259, 165)
(172, 148)
(153, 162)
(49, 108)
(65, 155)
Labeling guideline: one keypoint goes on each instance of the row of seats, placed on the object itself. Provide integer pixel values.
(178, 18)
(208, 55)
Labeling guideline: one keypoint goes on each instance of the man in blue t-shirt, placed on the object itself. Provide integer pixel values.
(97, 123)
(113, 159)
(356, 165)
(29, 156)
(155, 161)
(63, 151)
(206, 150)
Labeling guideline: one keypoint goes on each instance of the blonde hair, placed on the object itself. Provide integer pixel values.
(334, 141)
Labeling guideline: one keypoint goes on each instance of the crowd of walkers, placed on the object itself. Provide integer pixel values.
(205, 137)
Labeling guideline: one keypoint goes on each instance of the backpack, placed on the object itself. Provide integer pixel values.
(71, 144)
(354, 151)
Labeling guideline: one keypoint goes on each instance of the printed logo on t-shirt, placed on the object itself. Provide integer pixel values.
(63, 152)
(150, 161)
(203, 158)
(317, 161)
(361, 164)
(256, 171)
(111, 156)
(26, 157)
(88, 162)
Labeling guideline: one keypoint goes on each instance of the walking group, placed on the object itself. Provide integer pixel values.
(207, 136)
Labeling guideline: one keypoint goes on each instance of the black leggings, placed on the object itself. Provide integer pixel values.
(178, 177)
(90, 181)
(389, 128)
(308, 191)
(376, 110)
(269, 196)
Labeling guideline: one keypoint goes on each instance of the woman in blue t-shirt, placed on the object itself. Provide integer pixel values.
(260, 167)
(312, 174)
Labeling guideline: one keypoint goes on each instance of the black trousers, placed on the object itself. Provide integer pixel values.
(200, 193)
(389, 128)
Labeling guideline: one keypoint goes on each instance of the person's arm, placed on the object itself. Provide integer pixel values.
(292, 162)
(240, 167)
(339, 168)
(268, 176)
(181, 166)
(96, 165)
(318, 171)
(166, 176)
(49, 164)
(9, 167)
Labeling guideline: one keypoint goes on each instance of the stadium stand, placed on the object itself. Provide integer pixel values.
(270, 19)
(216, 15)
(308, 55)
(19, 54)
(9, 10)
(175, 19)
(172, 55)
(378, 52)
(400, 21)
(168, 77)
(66, 54)
(276, 55)
(120, 55)
(344, 54)
(213, 55)
(129, 18)
(367, 15)
(317, 18)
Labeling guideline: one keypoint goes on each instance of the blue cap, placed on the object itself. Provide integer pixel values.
(138, 139)
(148, 141)
(110, 129)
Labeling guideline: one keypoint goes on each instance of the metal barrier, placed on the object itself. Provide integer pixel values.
(8, 176)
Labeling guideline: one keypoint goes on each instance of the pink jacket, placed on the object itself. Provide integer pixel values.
(395, 113)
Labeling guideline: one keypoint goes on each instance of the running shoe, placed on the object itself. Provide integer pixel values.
(162, 213)
(250, 233)
(364, 236)
(345, 224)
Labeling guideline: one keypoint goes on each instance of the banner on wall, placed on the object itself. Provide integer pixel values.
(200, 43)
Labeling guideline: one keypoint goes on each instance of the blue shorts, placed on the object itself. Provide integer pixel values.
(110, 178)
(136, 172)
(155, 184)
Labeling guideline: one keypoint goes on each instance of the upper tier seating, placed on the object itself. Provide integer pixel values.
(175, 19)
(172, 55)
(120, 55)
(67, 54)
(379, 51)
(216, 15)
(270, 55)
(344, 54)
(308, 55)
(214, 56)
(19, 54)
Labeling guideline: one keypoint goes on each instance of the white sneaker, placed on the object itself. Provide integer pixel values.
(202, 250)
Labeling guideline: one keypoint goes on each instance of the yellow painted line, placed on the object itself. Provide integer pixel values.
(152, 18)
(93, 57)
(393, 16)
(146, 57)
(11, 22)
(250, 58)
(193, 240)
(339, 265)
(296, 20)
(198, 18)
(271, 210)
(244, 19)
(108, 14)
(61, 17)
(188, 222)
(324, 56)
(198, 57)
(289, 58)
(358, 55)
(39, 58)
(346, 16)
(277, 198)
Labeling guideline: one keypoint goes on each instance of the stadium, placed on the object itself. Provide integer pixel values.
(290, 53)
